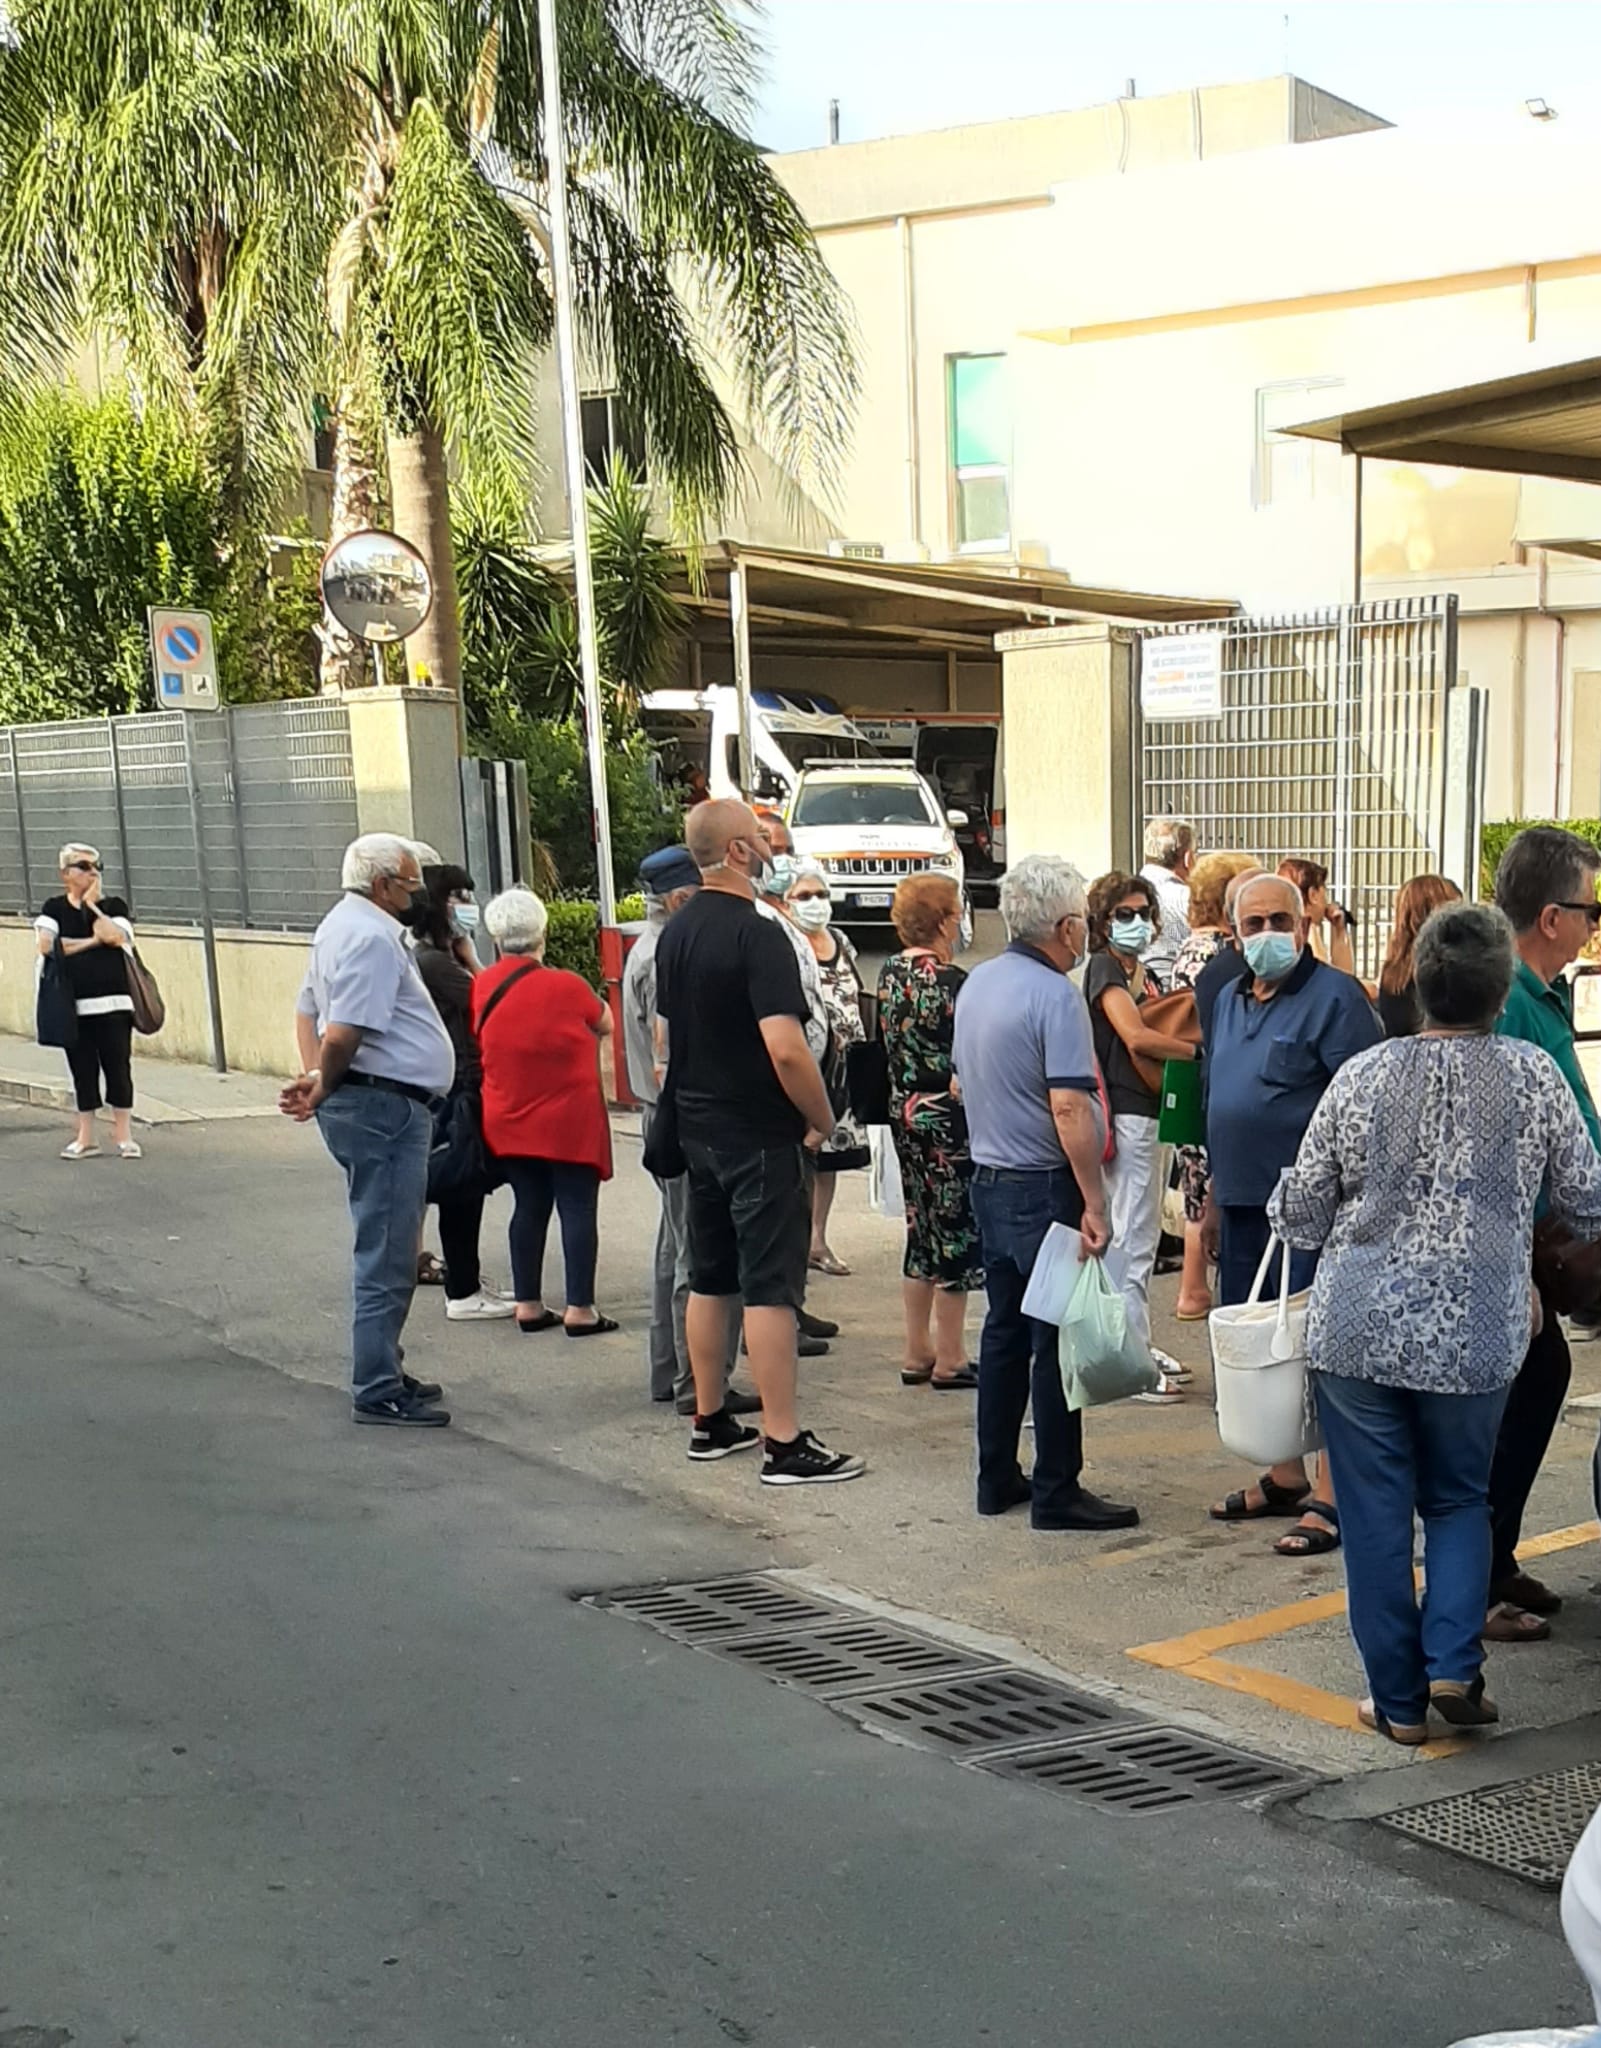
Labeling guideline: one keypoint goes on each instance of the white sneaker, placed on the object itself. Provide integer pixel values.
(479, 1308)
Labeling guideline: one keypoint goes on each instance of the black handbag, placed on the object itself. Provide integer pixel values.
(867, 1081)
(664, 1154)
(56, 1012)
(458, 1159)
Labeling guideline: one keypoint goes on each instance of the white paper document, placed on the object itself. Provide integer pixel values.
(1050, 1285)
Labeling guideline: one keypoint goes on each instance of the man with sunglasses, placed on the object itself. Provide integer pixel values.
(1546, 884)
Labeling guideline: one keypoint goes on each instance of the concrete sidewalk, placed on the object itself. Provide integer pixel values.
(165, 1091)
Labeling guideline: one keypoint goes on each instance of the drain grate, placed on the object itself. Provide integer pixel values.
(1142, 1770)
(1530, 1828)
(848, 1654)
(712, 1608)
(987, 1711)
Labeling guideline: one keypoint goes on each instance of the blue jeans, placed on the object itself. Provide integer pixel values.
(574, 1191)
(1017, 1355)
(381, 1141)
(1243, 1239)
(1394, 1450)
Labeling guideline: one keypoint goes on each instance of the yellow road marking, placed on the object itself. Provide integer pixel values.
(1194, 1655)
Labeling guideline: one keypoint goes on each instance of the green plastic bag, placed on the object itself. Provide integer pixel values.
(1180, 1120)
(1100, 1356)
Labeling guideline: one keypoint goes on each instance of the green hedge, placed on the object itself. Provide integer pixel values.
(1494, 840)
(572, 939)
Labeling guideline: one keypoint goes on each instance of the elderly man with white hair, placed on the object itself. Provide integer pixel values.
(1274, 1040)
(1169, 863)
(1025, 1060)
(383, 1061)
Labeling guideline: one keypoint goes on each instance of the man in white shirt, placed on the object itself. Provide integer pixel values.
(385, 1061)
(1169, 857)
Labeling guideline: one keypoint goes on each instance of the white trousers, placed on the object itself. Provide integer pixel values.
(1134, 1186)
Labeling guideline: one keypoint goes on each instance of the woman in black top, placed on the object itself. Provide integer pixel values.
(447, 963)
(1414, 905)
(93, 930)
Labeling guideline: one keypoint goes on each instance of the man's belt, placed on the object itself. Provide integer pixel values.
(426, 1096)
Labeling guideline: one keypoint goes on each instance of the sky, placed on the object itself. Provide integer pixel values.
(897, 66)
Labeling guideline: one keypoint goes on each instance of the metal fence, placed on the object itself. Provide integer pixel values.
(1333, 743)
(242, 813)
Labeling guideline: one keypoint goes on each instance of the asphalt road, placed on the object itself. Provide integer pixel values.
(306, 1741)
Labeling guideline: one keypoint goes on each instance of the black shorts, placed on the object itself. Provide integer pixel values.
(750, 1224)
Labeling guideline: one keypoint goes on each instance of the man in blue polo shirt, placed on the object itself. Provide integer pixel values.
(1276, 1038)
(1025, 1061)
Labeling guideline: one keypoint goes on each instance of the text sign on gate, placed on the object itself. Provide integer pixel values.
(1181, 675)
(183, 656)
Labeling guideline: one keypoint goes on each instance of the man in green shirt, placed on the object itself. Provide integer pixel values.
(1546, 884)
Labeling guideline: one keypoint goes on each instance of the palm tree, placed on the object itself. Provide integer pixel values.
(348, 195)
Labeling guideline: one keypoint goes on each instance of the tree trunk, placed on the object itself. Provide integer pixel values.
(419, 487)
(346, 662)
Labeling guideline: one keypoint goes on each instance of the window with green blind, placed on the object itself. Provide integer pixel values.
(981, 451)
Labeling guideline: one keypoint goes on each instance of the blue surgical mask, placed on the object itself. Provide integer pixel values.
(466, 917)
(1271, 955)
(1132, 937)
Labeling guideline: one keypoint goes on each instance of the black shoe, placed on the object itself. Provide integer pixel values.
(422, 1390)
(805, 1346)
(741, 1401)
(720, 1436)
(662, 1399)
(1088, 1511)
(1017, 1495)
(816, 1326)
(806, 1462)
(401, 1412)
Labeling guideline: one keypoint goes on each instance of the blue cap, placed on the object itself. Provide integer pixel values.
(671, 868)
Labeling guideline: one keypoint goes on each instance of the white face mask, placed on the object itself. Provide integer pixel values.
(811, 913)
(465, 916)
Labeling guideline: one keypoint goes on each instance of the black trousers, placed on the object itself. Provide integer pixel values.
(460, 1220)
(105, 1046)
(1532, 1411)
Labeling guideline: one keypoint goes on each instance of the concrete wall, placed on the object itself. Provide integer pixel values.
(259, 974)
(1066, 694)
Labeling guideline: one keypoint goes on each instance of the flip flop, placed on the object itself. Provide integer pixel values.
(916, 1376)
(598, 1328)
(1194, 1316)
(964, 1377)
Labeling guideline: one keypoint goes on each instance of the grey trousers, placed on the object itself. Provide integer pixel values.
(667, 1347)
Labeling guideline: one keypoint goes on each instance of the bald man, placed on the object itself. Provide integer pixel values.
(747, 1094)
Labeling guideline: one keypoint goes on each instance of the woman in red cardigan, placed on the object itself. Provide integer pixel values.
(539, 1030)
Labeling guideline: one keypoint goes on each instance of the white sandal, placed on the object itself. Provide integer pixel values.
(1165, 1394)
(77, 1151)
(130, 1148)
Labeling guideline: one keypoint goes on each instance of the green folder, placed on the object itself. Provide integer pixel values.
(1181, 1120)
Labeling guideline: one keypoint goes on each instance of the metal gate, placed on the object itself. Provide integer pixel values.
(1331, 738)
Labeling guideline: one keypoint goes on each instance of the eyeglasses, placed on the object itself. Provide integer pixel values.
(85, 867)
(1590, 910)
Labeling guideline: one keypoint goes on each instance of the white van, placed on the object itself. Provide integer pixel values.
(700, 729)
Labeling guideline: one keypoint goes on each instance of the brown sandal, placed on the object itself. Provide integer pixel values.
(1506, 1623)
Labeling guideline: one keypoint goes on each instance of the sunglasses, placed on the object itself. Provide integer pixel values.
(1590, 910)
(85, 867)
(1124, 915)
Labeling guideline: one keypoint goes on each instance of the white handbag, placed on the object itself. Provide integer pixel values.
(1265, 1410)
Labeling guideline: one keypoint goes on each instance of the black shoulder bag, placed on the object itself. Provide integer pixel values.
(458, 1159)
(56, 1013)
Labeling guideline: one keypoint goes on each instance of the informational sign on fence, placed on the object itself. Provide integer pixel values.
(183, 655)
(1181, 675)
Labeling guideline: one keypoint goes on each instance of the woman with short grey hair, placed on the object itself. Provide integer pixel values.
(1418, 1177)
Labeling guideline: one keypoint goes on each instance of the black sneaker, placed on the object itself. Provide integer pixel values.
(816, 1326)
(720, 1436)
(422, 1390)
(401, 1411)
(806, 1462)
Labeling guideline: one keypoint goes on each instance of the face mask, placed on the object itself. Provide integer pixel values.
(465, 916)
(770, 877)
(412, 915)
(812, 912)
(1271, 955)
(1133, 937)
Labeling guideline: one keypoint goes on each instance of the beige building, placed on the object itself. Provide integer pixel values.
(1084, 333)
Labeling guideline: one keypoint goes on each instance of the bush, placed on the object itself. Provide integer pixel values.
(642, 818)
(572, 939)
(1494, 840)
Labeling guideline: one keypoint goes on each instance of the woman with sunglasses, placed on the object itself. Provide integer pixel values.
(1124, 917)
(93, 931)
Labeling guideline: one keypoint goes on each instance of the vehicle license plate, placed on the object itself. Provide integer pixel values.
(874, 899)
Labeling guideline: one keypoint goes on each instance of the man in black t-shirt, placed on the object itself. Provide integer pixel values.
(747, 1093)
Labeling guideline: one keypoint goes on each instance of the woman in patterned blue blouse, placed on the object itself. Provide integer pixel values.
(1419, 1176)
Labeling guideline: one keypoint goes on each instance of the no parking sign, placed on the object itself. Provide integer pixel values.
(183, 655)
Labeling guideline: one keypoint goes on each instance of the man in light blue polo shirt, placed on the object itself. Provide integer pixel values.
(1025, 1060)
(384, 1061)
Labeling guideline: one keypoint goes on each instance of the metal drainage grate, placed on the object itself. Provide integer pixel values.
(1530, 1829)
(848, 1653)
(986, 1711)
(713, 1608)
(1142, 1770)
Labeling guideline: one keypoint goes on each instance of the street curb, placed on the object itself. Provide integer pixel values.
(44, 1094)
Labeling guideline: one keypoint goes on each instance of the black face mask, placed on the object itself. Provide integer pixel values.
(415, 915)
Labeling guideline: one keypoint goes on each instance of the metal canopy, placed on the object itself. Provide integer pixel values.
(1543, 421)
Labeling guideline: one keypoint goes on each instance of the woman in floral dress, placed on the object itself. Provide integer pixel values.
(917, 991)
(809, 907)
